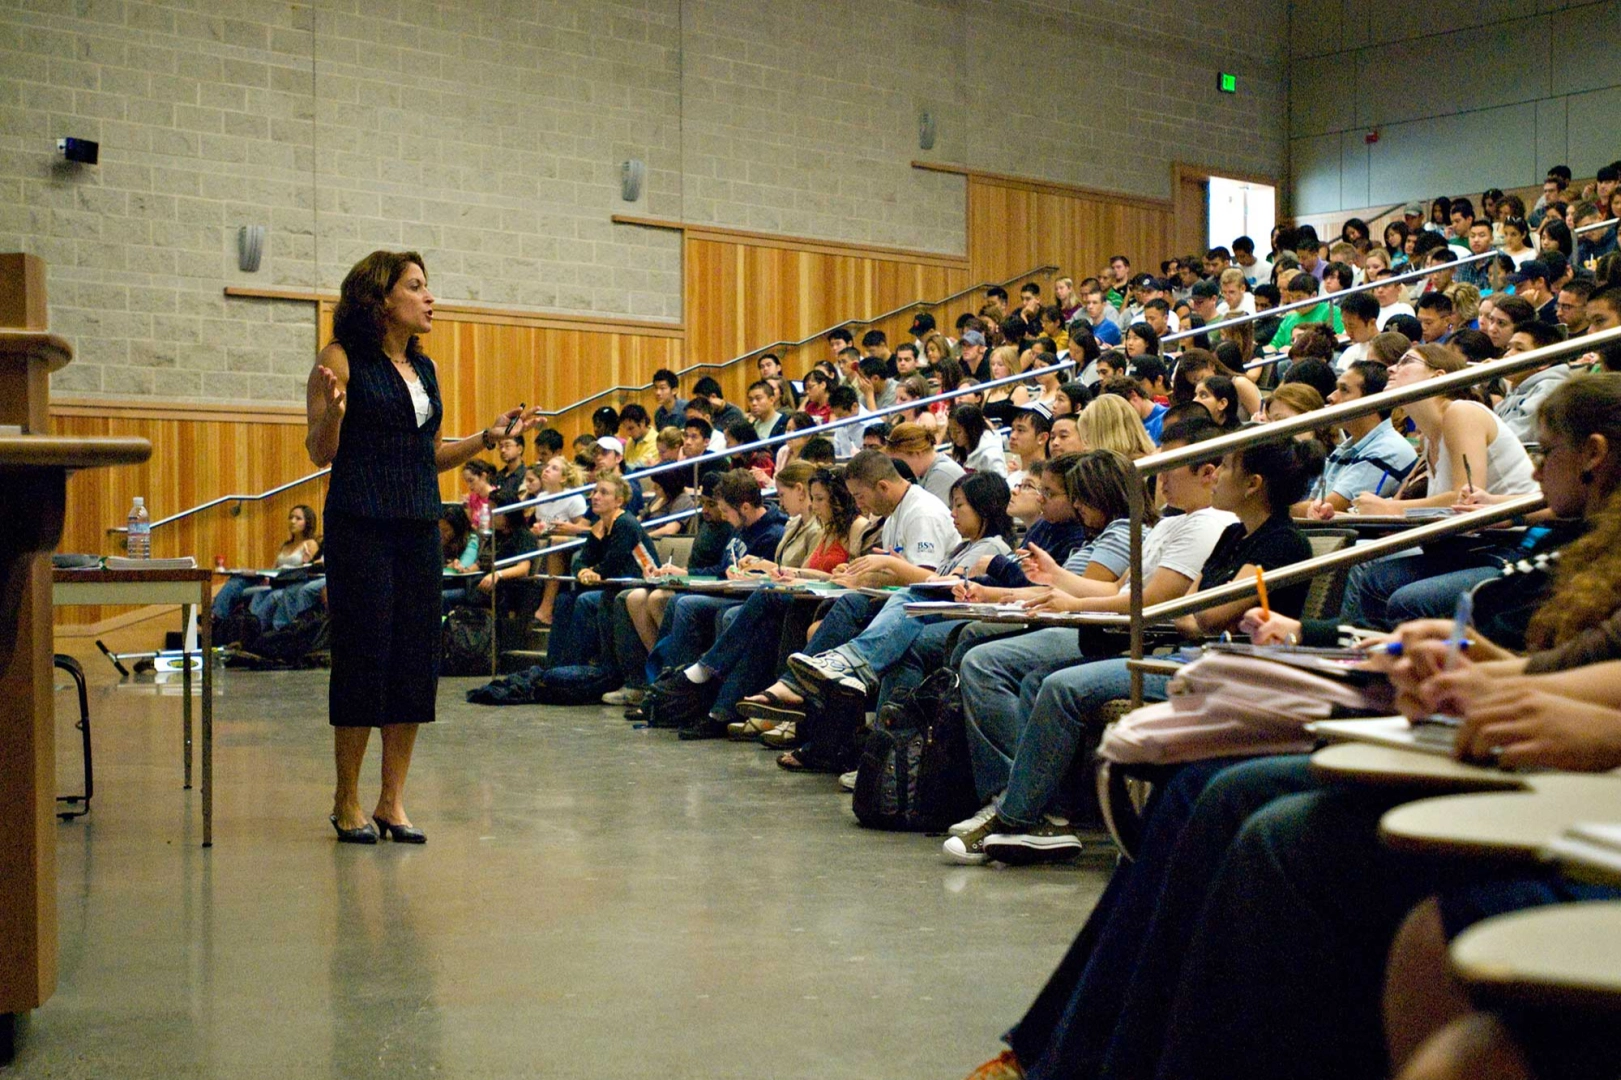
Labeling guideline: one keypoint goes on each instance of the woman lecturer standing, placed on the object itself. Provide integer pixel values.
(374, 411)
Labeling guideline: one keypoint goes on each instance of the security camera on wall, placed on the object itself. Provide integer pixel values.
(82, 151)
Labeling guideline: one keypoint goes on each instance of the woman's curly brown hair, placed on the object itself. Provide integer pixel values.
(1587, 586)
(358, 318)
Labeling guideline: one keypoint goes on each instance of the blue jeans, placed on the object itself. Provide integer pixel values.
(740, 655)
(1059, 720)
(689, 627)
(285, 605)
(1000, 681)
(577, 625)
(1381, 594)
(848, 616)
(886, 639)
(228, 596)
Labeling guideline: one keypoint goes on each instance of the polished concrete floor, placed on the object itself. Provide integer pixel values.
(594, 901)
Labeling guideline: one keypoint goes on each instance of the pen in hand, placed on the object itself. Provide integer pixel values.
(1468, 476)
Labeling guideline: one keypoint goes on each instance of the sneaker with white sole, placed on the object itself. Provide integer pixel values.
(969, 848)
(968, 825)
(627, 696)
(1053, 840)
(847, 781)
(826, 670)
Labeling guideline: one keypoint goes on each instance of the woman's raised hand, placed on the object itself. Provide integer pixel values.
(333, 395)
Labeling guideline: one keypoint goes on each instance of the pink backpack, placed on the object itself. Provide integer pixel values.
(1224, 705)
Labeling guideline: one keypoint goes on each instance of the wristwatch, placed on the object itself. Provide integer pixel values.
(489, 440)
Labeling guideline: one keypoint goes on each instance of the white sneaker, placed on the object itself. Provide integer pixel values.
(627, 696)
(969, 849)
(968, 825)
(847, 781)
(826, 669)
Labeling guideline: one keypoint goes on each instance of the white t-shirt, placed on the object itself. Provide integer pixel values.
(1387, 313)
(1257, 273)
(1353, 353)
(919, 530)
(1246, 306)
(989, 456)
(1182, 543)
(566, 509)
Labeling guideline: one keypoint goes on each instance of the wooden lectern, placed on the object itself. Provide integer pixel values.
(34, 467)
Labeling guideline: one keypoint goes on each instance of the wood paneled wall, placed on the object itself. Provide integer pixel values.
(744, 291)
(1014, 225)
(489, 362)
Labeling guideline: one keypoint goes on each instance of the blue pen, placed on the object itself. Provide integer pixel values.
(1394, 648)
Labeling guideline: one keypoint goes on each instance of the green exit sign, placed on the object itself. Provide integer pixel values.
(1227, 83)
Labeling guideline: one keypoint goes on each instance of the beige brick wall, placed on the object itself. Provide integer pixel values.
(488, 134)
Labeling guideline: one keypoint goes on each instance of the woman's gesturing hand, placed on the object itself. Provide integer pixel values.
(333, 395)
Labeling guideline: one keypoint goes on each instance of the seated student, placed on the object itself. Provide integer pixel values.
(844, 404)
(643, 608)
(1140, 340)
(1528, 389)
(689, 619)
(1065, 438)
(910, 389)
(615, 547)
(1194, 364)
(979, 512)
(819, 387)
(669, 442)
(1150, 412)
(819, 451)
(670, 496)
(1373, 458)
(1464, 445)
(873, 383)
(1257, 484)
(917, 535)
(724, 413)
(998, 401)
(698, 442)
(1359, 313)
(975, 445)
(1029, 437)
(790, 450)
(1109, 423)
(1072, 398)
(479, 476)
(1153, 378)
(737, 659)
(701, 409)
(1435, 318)
(1085, 495)
(555, 520)
(299, 549)
(763, 414)
(1108, 1003)
(742, 433)
(671, 410)
(1220, 398)
(585, 454)
(1303, 286)
(1045, 391)
(458, 542)
(935, 472)
(1235, 294)
(636, 432)
(608, 459)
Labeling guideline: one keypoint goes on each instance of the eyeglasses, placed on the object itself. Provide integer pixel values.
(1411, 358)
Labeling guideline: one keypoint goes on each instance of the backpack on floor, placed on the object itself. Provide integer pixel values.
(467, 636)
(306, 642)
(915, 775)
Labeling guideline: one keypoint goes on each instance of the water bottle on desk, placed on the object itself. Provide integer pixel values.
(486, 539)
(138, 539)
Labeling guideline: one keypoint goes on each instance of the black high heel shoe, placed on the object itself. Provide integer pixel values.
(363, 835)
(400, 834)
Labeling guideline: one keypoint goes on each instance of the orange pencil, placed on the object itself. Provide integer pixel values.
(1260, 587)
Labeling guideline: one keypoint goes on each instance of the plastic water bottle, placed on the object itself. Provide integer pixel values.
(484, 518)
(138, 541)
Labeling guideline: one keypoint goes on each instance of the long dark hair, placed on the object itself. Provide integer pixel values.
(1102, 479)
(455, 515)
(987, 495)
(840, 500)
(970, 420)
(1222, 389)
(359, 317)
(1286, 468)
(312, 524)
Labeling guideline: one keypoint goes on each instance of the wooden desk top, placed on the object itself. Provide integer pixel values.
(58, 452)
(134, 577)
(1569, 954)
(1387, 766)
(1511, 826)
(36, 345)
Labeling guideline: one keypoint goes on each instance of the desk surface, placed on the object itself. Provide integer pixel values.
(1389, 767)
(1510, 826)
(1569, 954)
(61, 452)
(130, 577)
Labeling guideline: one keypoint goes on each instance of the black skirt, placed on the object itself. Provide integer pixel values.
(383, 593)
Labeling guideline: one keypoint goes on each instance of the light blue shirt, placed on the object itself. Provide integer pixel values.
(1375, 463)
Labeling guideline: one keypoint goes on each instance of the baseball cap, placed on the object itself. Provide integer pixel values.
(973, 337)
(1205, 290)
(608, 442)
(1413, 209)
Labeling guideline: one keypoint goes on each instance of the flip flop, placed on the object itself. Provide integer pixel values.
(772, 708)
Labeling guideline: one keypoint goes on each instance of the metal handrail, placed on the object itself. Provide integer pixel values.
(777, 440)
(1366, 286)
(1280, 430)
(716, 366)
